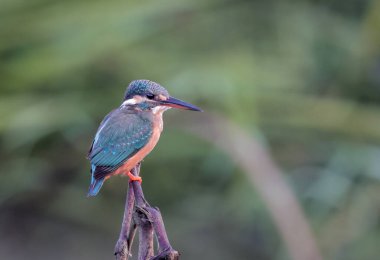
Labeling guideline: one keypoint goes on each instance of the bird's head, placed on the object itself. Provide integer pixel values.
(147, 95)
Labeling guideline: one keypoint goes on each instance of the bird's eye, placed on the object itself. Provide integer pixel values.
(150, 96)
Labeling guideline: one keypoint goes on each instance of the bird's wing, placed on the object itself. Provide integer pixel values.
(100, 127)
(118, 138)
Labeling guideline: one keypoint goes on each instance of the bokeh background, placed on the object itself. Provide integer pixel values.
(292, 85)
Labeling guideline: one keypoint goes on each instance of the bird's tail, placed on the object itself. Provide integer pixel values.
(95, 186)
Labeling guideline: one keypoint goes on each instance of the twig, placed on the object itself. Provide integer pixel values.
(149, 221)
(139, 194)
(144, 223)
(123, 245)
(131, 236)
(166, 250)
(143, 220)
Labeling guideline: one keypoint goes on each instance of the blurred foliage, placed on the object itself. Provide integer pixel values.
(304, 76)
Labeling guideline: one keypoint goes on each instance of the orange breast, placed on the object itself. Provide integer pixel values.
(140, 155)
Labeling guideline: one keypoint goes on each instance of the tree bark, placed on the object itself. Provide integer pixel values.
(123, 245)
(149, 221)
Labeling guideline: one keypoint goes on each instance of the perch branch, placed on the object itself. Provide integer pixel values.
(123, 245)
(144, 223)
(142, 219)
(149, 222)
(150, 219)
(166, 250)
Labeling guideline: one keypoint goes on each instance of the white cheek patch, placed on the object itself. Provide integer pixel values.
(159, 109)
(131, 101)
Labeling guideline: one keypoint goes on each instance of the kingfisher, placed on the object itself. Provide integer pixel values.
(130, 132)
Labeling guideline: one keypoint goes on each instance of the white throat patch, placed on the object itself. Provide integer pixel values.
(159, 109)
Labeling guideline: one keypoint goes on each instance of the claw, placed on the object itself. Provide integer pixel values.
(134, 178)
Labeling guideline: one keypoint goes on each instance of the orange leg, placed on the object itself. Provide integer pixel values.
(134, 178)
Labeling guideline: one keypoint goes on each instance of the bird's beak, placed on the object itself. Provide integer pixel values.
(176, 103)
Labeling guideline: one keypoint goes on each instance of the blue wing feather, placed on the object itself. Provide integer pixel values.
(119, 137)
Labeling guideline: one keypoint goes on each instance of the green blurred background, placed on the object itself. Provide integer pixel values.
(302, 78)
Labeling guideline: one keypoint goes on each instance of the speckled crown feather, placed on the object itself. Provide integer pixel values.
(143, 87)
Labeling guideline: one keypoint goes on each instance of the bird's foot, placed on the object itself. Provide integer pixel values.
(134, 177)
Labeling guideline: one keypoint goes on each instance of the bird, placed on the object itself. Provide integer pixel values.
(130, 132)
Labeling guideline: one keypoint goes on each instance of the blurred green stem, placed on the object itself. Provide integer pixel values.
(265, 176)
